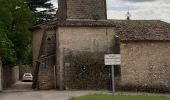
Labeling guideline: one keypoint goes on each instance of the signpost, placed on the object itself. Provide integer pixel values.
(112, 59)
(0, 75)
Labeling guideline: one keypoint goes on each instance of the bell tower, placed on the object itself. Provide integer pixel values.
(82, 9)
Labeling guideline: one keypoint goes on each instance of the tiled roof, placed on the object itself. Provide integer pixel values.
(74, 23)
(52, 25)
(126, 29)
(86, 22)
(143, 30)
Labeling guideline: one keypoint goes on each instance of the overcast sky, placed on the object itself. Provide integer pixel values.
(139, 9)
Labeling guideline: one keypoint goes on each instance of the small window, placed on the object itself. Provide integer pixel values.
(49, 39)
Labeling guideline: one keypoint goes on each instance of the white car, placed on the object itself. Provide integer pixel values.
(27, 77)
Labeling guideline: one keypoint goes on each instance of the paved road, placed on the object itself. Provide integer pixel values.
(42, 95)
(20, 87)
(23, 91)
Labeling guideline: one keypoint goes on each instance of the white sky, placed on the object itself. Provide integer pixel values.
(139, 9)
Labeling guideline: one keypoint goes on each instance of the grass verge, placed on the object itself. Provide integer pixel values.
(120, 97)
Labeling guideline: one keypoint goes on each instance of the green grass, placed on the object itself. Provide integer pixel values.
(120, 97)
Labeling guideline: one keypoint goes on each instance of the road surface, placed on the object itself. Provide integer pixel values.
(23, 91)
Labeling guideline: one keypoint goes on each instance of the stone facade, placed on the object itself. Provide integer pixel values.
(46, 74)
(36, 43)
(80, 57)
(145, 65)
(86, 38)
(83, 9)
(46, 57)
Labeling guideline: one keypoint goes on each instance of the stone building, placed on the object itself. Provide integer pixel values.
(68, 53)
(144, 48)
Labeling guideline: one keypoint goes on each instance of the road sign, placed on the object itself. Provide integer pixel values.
(112, 59)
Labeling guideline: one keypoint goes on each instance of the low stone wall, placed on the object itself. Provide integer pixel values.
(10, 75)
(145, 66)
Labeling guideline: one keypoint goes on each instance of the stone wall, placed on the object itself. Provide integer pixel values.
(80, 57)
(94, 39)
(46, 74)
(145, 65)
(46, 68)
(36, 42)
(10, 76)
(85, 70)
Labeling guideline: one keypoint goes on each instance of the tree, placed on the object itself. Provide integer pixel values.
(15, 20)
(44, 10)
(7, 52)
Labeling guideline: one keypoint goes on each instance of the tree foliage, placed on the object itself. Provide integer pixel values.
(15, 19)
(44, 10)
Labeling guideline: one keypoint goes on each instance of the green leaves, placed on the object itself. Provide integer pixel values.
(47, 11)
(7, 52)
(15, 19)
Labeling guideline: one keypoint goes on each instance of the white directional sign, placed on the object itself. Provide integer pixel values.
(112, 59)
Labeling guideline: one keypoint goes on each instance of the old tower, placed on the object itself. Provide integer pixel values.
(84, 36)
(82, 9)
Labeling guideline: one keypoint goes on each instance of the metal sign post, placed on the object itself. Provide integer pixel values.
(112, 59)
(113, 81)
(0, 75)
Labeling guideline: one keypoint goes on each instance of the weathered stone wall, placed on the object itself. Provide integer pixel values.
(85, 70)
(80, 58)
(36, 42)
(10, 76)
(86, 9)
(46, 69)
(46, 74)
(145, 65)
(86, 38)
